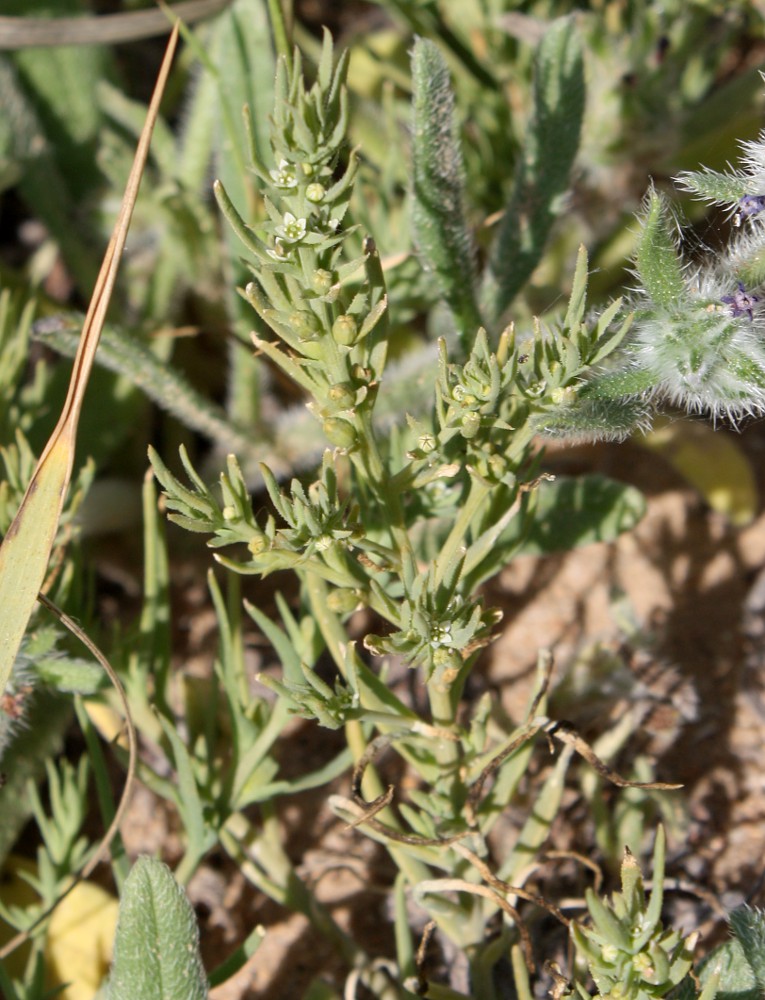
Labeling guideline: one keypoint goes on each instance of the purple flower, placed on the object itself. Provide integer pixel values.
(741, 302)
(749, 205)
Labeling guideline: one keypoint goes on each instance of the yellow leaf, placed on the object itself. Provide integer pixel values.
(79, 938)
(78, 947)
(712, 461)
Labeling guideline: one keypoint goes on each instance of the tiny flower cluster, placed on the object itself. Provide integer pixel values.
(305, 289)
(629, 953)
(437, 625)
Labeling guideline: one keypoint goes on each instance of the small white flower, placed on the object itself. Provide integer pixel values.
(284, 176)
(441, 636)
(292, 230)
(279, 251)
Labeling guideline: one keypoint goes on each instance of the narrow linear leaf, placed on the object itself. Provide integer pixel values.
(237, 959)
(440, 230)
(190, 803)
(578, 299)
(544, 165)
(653, 910)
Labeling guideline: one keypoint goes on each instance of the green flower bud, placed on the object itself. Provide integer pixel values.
(258, 544)
(305, 323)
(497, 465)
(426, 443)
(342, 601)
(446, 667)
(470, 424)
(322, 281)
(315, 192)
(447, 660)
(345, 330)
(340, 432)
(341, 396)
(313, 349)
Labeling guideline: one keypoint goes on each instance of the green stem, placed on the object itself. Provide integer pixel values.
(331, 628)
(336, 639)
(370, 464)
(447, 753)
(479, 490)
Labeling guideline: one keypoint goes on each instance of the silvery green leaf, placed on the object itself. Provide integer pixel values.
(156, 950)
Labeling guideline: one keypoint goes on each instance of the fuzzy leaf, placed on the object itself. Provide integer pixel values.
(724, 189)
(156, 951)
(619, 383)
(543, 166)
(737, 980)
(748, 925)
(593, 419)
(440, 230)
(658, 264)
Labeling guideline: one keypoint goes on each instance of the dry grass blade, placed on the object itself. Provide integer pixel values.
(565, 733)
(101, 29)
(26, 548)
